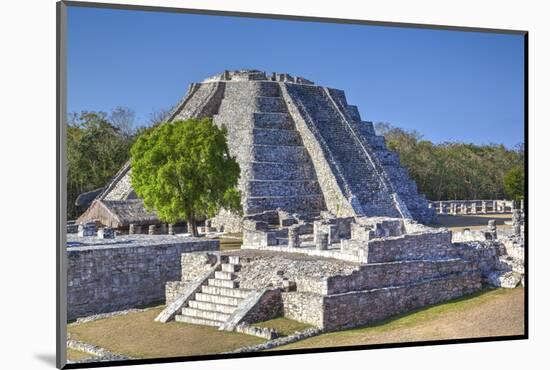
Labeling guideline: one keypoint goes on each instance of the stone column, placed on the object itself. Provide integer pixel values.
(207, 226)
(293, 238)
(152, 229)
(131, 229)
(516, 222)
(483, 207)
(492, 226)
(521, 205)
(105, 233)
(453, 208)
(442, 208)
(474, 208)
(322, 241)
(171, 229)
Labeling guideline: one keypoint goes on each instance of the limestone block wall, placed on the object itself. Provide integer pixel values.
(360, 308)
(431, 245)
(304, 307)
(268, 307)
(110, 278)
(378, 275)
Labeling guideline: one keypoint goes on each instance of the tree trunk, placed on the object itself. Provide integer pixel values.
(192, 226)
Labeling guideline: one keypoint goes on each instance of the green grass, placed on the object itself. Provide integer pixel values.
(283, 326)
(138, 335)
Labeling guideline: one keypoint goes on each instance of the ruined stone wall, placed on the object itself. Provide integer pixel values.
(304, 307)
(430, 245)
(110, 278)
(361, 308)
(378, 275)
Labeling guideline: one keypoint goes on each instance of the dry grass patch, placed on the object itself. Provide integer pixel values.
(491, 313)
(74, 355)
(473, 222)
(231, 241)
(283, 326)
(137, 335)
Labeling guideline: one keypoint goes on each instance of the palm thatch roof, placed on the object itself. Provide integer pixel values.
(118, 213)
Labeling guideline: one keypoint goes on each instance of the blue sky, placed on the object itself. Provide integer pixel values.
(447, 85)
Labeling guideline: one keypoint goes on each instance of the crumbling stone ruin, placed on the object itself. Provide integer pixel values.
(455, 207)
(301, 148)
(335, 272)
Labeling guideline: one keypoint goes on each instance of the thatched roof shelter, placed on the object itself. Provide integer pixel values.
(117, 205)
(118, 213)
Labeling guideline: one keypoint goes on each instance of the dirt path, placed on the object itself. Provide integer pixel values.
(495, 313)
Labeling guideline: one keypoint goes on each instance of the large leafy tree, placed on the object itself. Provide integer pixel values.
(183, 171)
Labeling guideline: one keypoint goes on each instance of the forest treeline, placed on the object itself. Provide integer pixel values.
(98, 145)
(454, 170)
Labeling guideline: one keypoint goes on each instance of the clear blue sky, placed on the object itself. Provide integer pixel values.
(448, 85)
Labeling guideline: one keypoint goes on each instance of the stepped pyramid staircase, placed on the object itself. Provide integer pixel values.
(276, 169)
(361, 177)
(217, 298)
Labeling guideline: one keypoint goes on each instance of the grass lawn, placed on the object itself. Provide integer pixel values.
(74, 355)
(473, 222)
(490, 313)
(137, 335)
(283, 326)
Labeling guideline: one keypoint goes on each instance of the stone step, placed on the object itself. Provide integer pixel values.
(210, 315)
(259, 188)
(223, 283)
(197, 321)
(235, 260)
(272, 120)
(270, 104)
(281, 171)
(215, 298)
(280, 153)
(230, 267)
(223, 291)
(301, 203)
(224, 275)
(269, 136)
(211, 306)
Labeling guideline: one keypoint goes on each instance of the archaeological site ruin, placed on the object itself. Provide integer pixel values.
(335, 233)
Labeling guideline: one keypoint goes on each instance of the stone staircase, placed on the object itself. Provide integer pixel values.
(218, 298)
(278, 171)
(361, 177)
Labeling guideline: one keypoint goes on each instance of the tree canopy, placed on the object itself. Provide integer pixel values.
(98, 145)
(514, 183)
(183, 171)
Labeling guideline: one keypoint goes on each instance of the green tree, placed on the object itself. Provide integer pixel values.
(514, 183)
(183, 171)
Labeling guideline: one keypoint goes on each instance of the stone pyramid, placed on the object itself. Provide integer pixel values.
(301, 148)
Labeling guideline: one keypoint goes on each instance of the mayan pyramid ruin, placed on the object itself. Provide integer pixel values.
(301, 147)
